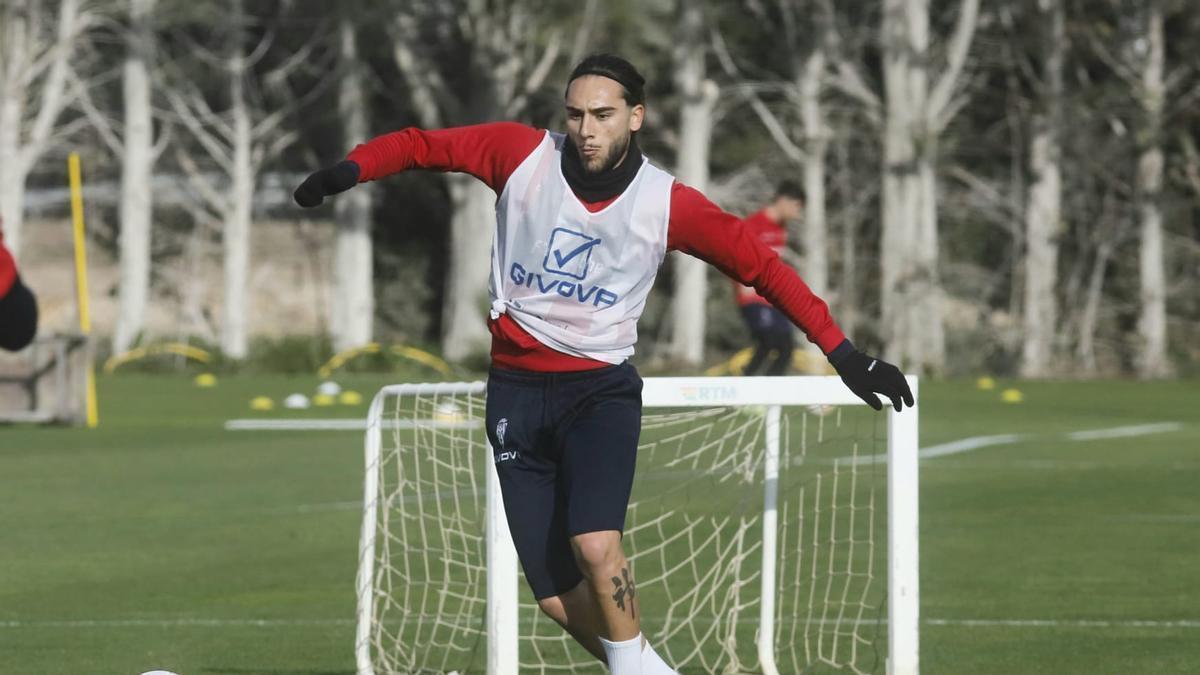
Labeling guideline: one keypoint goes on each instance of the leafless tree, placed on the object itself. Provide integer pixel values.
(351, 319)
(234, 143)
(510, 53)
(37, 41)
(698, 96)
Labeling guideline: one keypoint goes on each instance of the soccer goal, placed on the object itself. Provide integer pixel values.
(772, 529)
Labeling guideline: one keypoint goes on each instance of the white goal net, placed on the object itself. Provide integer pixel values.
(772, 529)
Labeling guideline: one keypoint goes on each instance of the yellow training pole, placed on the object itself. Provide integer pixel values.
(81, 287)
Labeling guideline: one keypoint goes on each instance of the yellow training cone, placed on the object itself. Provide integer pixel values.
(350, 398)
(206, 380)
(323, 400)
(261, 403)
(1011, 396)
(985, 383)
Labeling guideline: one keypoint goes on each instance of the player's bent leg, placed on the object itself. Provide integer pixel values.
(600, 426)
(606, 570)
(575, 611)
(603, 564)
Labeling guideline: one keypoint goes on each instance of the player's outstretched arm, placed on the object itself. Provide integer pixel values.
(490, 152)
(867, 376)
(326, 182)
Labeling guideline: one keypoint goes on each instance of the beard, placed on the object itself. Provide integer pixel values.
(611, 159)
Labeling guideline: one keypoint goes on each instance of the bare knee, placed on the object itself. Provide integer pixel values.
(598, 554)
(553, 608)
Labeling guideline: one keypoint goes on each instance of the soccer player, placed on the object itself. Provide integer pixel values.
(769, 327)
(18, 308)
(583, 221)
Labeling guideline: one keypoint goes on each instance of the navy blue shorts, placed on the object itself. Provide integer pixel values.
(565, 447)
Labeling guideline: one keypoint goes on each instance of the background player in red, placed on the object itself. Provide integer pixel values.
(583, 222)
(18, 308)
(770, 328)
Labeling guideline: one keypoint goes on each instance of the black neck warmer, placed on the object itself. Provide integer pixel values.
(598, 187)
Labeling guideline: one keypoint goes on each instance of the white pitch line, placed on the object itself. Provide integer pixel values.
(1122, 432)
(969, 444)
(326, 506)
(943, 449)
(1156, 518)
(528, 618)
(977, 442)
(343, 424)
(1066, 623)
(166, 623)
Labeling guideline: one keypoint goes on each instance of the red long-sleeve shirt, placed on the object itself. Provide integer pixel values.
(492, 152)
(8, 268)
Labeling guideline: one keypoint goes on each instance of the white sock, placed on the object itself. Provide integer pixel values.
(624, 657)
(653, 664)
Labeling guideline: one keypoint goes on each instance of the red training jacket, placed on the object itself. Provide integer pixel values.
(696, 226)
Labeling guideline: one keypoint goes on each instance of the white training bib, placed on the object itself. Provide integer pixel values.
(577, 281)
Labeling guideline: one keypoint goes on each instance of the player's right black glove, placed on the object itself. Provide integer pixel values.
(328, 181)
(867, 375)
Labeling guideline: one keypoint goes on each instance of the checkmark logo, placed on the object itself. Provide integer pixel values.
(564, 259)
(569, 253)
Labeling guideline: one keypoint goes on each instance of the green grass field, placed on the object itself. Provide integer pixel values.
(162, 541)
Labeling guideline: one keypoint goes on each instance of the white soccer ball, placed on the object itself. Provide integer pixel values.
(329, 388)
(447, 411)
(296, 402)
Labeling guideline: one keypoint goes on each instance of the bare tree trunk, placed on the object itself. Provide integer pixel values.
(136, 167)
(12, 172)
(28, 59)
(1043, 211)
(237, 220)
(816, 146)
(848, 311)
(14, 43)
(911, 292)
(1152, 325)
(1090, 315)
(929, 294)
(353, 303)
(905, 39)
(472, 228)
(472, 223)
(698, 95)
(501, 39)
(816, 135)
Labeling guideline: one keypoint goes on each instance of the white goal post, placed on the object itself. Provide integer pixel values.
(465, 510)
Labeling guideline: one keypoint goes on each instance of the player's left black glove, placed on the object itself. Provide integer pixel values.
(328, 181)
(867, 375)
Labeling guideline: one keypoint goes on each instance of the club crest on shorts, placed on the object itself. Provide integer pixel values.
(503, 455)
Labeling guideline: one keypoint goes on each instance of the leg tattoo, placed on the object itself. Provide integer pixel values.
(624, 590)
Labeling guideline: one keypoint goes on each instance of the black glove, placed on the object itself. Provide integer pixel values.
(866, 375)
(328, 181)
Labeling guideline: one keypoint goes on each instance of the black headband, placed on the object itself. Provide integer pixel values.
(616, 69)
(634, 88)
